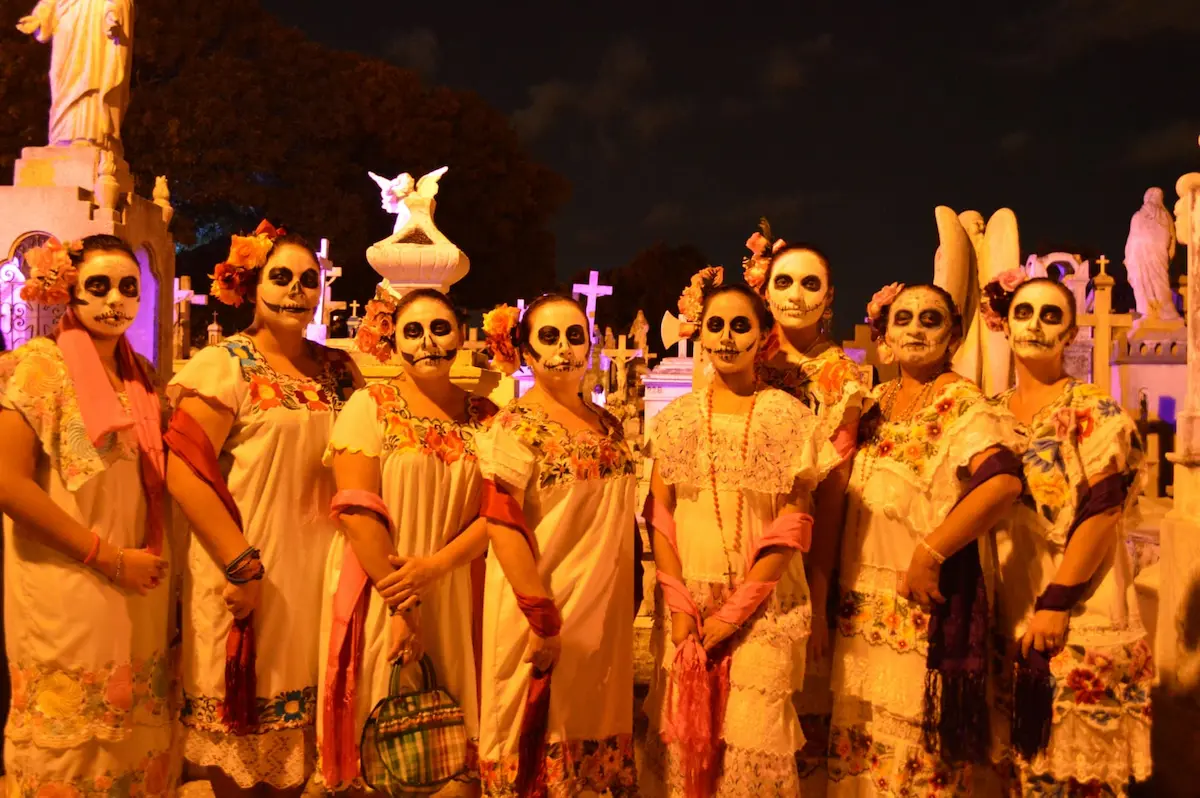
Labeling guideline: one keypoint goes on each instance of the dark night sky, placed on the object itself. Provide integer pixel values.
(844, 123)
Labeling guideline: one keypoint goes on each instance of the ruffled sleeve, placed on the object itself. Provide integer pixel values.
(1108, 438)
(842, 388)
(504, 458)
(357, 428)
(672, 441)
(34, 382)
(972, 426)
(213, 373)
(810, 455)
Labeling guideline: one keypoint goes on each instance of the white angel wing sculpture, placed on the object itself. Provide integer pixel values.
(427, 186)
(954, 270)
(1003, 249)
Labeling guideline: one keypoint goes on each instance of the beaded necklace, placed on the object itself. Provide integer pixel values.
(712, 475)
(887, 404)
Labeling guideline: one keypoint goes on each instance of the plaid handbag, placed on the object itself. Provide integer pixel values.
(414, 742)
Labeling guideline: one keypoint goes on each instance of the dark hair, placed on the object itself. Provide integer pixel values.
(523, 331)
(425, 293)
(765, 320)
(879, 325)
(1001, 300)
(799, 246)
(102, 242)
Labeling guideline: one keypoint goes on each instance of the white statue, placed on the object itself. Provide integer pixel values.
(90, 66)
(1148, 253)
(394, 193)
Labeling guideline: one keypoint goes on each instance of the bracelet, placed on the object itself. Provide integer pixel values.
(934, 553)
(120, 565)
(91, 557)
(247, 559)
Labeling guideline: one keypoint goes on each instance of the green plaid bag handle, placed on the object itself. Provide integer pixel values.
(414, 742)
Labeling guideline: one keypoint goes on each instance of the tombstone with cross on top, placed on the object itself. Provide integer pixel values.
(185, 298)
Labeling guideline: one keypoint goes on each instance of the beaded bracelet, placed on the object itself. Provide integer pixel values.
(120, 565)
(938, 557)
(244, 560)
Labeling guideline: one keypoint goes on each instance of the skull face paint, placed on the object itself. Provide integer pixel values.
(729, 333)
(427, 337)
(798, 291)
(920, 327)
(1039, 322)
(108, 294)
(289, 288)
(558, 341)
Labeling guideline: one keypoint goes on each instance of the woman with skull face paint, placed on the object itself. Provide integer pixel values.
(1079, 656)
(931, 475)
(734, 471)
(81, 488)
(404, 457)
(797, 283)
(558, 496)
(253, 418)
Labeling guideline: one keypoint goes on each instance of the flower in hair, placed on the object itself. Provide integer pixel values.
(377, 334)
(993, 320)
(758, 262)
(691, 301)
(498, 326)
(51, 272)
(883, 297)
(233, 279)
(1011, 279)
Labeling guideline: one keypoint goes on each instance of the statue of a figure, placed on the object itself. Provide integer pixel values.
(90, 67)
(1148, 253)
(639, 332)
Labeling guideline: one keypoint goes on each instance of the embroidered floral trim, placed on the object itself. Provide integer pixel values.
(149, 778)
(35, 383)
(57, 707)
(829, 384)
(884, 619)
(292, 709)
(571, 768)
(569, 456)
(1075, 437)
(812, 759)
(449, 441)
(270, 389)
(854, 753)
(786, 444)
(921, 440)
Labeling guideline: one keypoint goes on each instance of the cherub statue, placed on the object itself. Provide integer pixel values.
(395, 193)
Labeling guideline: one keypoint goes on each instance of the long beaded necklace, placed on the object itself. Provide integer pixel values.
(712, 475)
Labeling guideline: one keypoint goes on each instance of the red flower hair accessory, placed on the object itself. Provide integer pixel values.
(233, 279)
(691, 301)
(377, 334)
(498, 326)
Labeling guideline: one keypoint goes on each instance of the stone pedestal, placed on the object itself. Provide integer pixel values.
(55, 194)
(669, 379)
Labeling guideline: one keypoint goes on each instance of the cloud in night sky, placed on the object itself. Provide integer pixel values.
(1174, 142)
(415, 49)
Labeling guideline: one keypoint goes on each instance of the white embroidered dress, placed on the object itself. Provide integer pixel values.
(431, 486)
(1104, 674)
(577, 491)
(907, 477)
(272, 460)
(787, 447)
(88, 661)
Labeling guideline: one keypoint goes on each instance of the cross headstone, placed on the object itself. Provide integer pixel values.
(472, 342)
(185, 296)
(1102, 321)
(520, 309)
(592, 289)
(621, 355)
(354, 306)
(683, 339)
(327, 304)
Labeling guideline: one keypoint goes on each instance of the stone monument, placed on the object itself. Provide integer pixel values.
(1148, 253)
(80, 184)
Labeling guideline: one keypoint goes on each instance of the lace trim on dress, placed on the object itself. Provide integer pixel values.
(886, 753)
(787, 443)
(280, 759)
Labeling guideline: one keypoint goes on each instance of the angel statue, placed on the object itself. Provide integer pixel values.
(394, 193)
(90, 65)
(1148, 253)
(970, 254)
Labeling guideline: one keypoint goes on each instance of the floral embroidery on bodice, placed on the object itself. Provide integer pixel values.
(1068, 442)
(270, 389)
(566, 456)
(449, 441)
(916, 442)
(829, 384)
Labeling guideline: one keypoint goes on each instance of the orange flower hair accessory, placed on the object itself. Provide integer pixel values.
(51, 272)
(691, 301)
(762, 246)
(377, 334)
(233, 279)
(498, 326)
